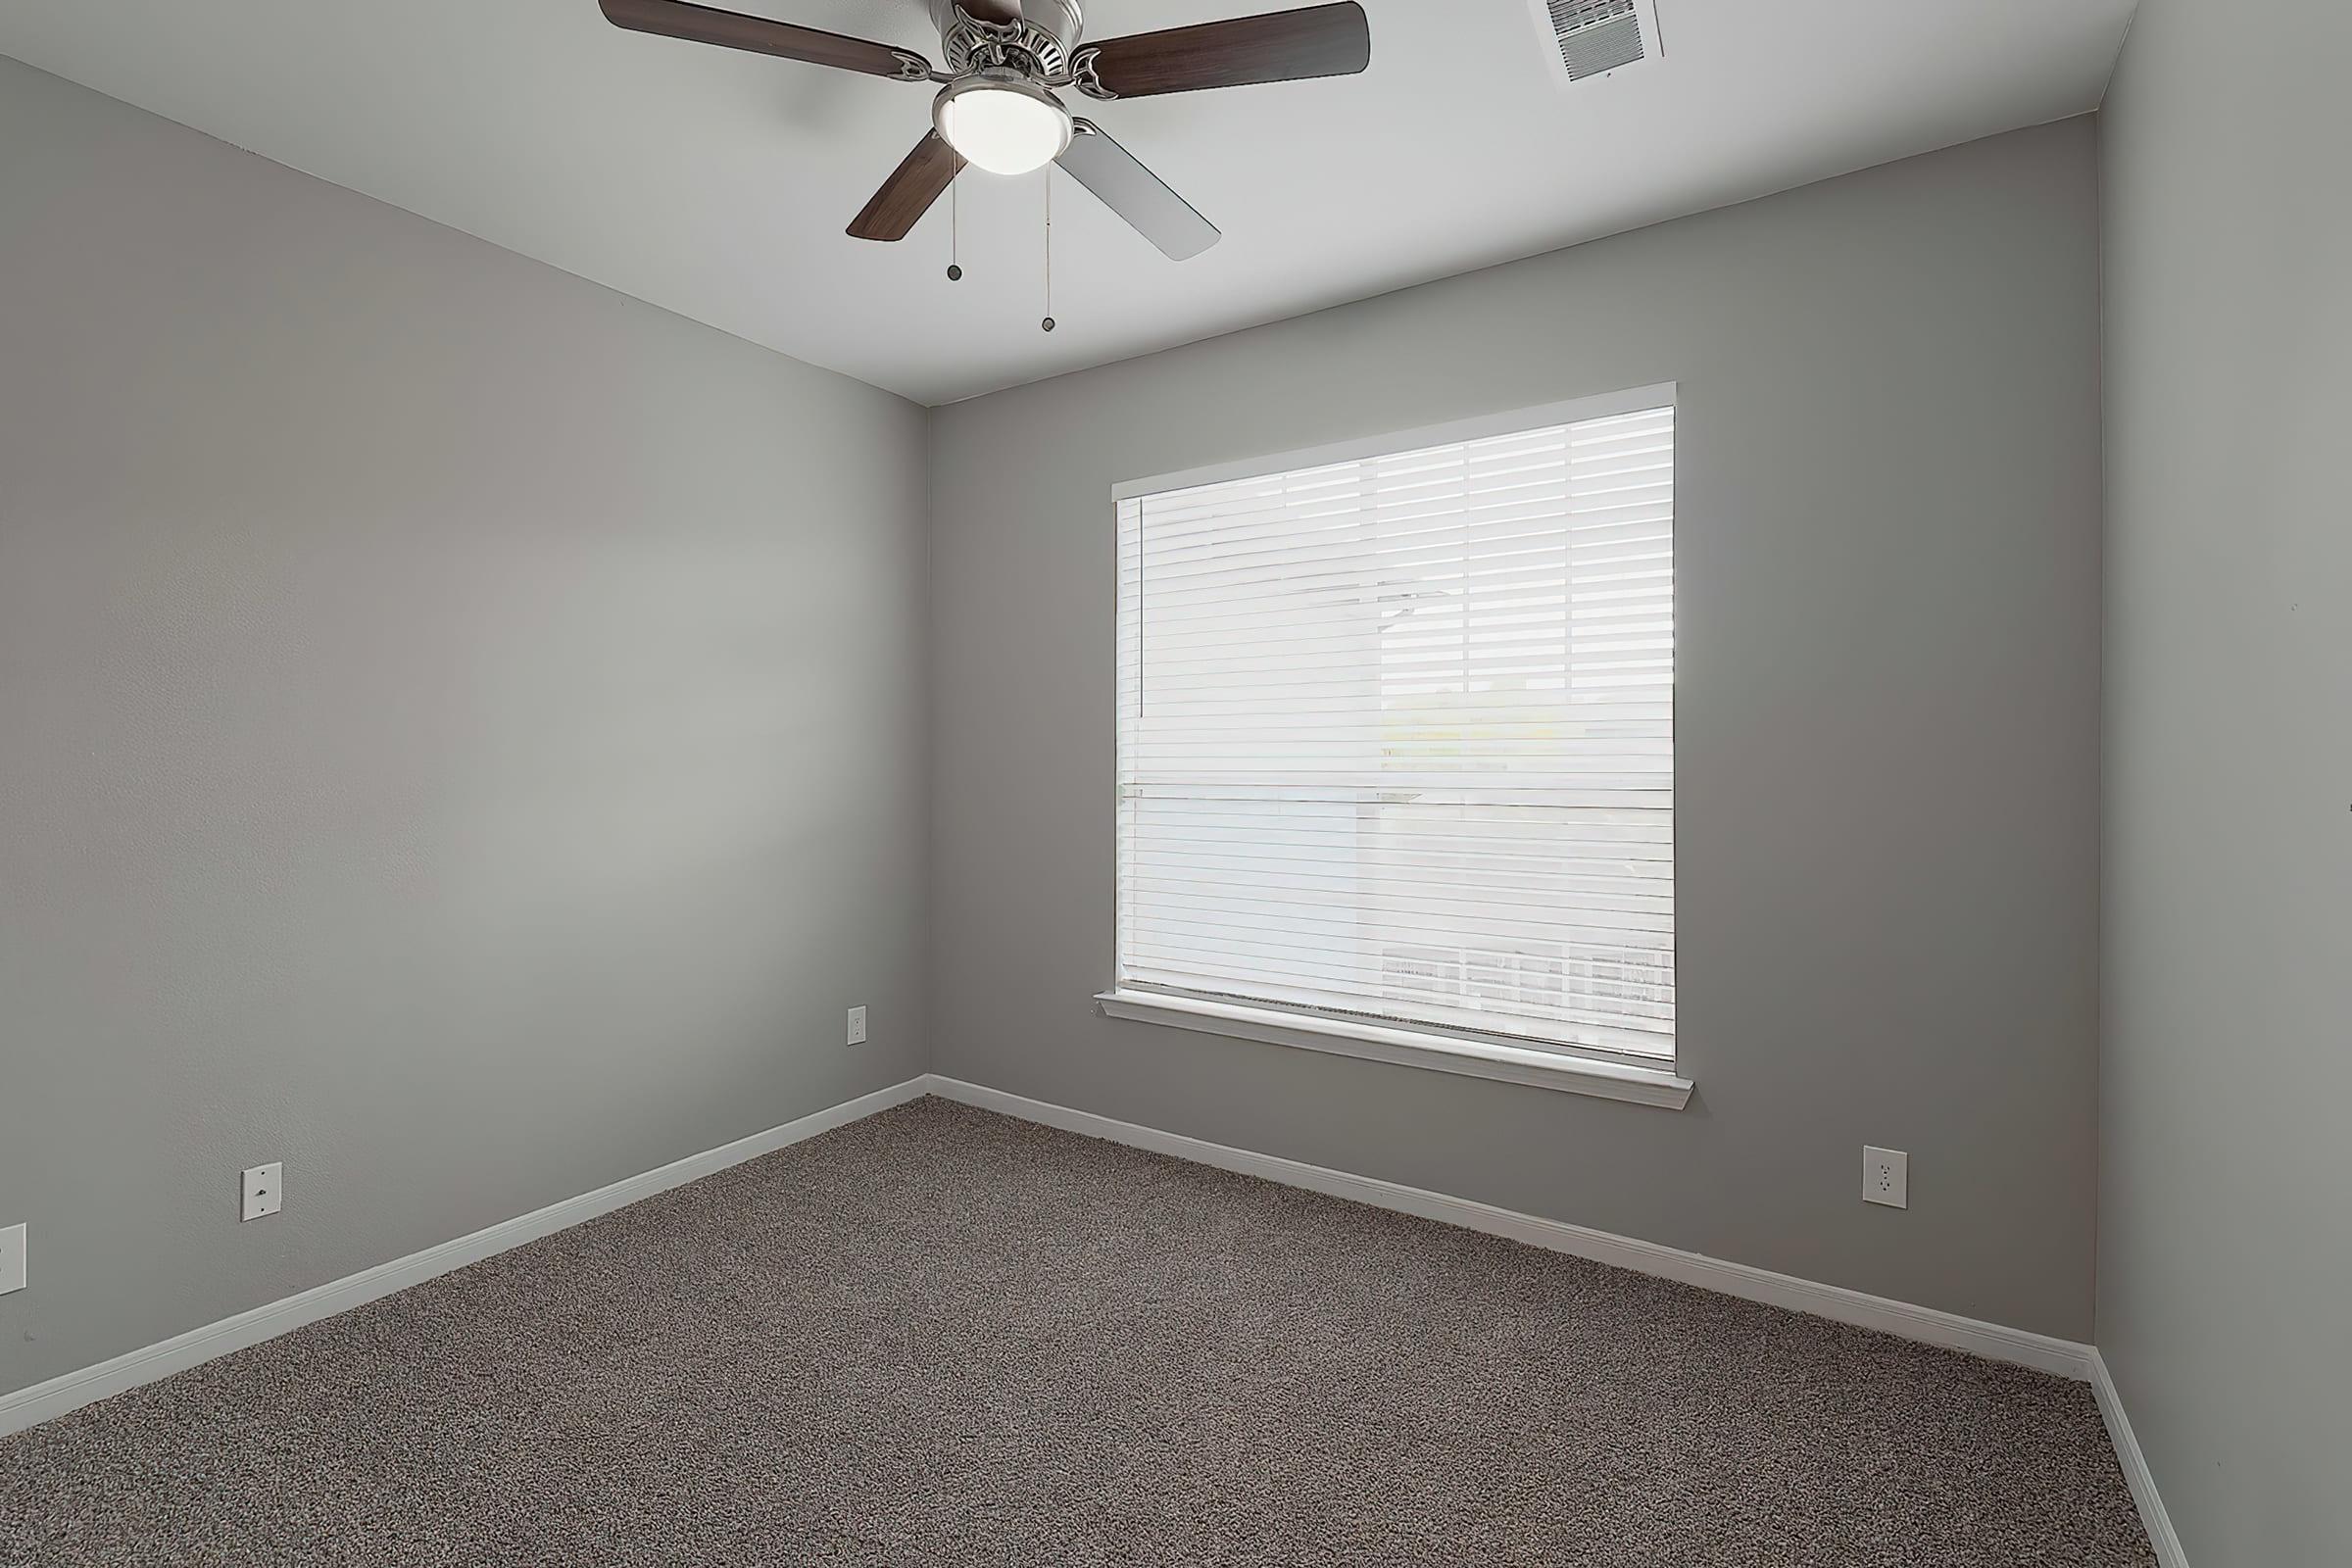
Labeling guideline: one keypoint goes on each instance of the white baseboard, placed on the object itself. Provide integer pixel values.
(2135, 1467)
(43, 1400)
(1922, 1324)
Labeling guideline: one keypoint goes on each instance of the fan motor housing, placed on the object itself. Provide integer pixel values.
(1039, 43)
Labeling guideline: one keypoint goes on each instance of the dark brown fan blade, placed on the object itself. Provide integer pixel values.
(1334, 40)
(906, 196)
(992, 10)
(675, 18)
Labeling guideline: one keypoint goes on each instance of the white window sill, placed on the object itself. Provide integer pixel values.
(1407, 1048)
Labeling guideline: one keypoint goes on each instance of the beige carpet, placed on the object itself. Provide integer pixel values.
(944, 1337)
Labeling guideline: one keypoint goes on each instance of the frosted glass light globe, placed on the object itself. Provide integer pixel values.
(1005, 127)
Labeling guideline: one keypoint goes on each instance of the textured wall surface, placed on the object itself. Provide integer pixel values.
(461, 730)
(2225, 1305)
(1887, 759)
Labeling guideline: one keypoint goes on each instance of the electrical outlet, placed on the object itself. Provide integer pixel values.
(265, 1191)
(12, 1259)
(857, 1026)
(1886, 1177)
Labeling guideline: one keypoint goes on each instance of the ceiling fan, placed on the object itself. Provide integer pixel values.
(1007, 63)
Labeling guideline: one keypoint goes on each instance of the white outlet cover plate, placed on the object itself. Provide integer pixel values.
(12, 1259)
(857, 1026)
(265, 1191)
(1886, 1177)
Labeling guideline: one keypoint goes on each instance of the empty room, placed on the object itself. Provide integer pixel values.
(1175, 782)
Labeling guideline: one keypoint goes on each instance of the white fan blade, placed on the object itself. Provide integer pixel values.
(1134, 193)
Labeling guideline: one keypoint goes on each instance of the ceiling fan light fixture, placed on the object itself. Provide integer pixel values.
(1003, 123)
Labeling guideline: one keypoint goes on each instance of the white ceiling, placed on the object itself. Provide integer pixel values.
(718, 184)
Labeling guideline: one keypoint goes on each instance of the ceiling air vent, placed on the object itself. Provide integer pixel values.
(1598, 37)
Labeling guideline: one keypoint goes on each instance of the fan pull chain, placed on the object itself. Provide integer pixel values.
(955, 231)
(1049, 247)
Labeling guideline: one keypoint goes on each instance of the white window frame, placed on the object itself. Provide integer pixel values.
(1366, 1039)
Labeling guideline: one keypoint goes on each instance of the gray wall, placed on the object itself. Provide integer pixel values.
(2225, 1292)
(460, 729)
(1888, 747)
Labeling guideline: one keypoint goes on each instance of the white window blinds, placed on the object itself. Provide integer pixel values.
(1397, 738)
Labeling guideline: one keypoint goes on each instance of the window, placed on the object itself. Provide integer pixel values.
(1397, 735)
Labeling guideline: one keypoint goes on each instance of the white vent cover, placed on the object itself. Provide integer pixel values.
(1595, 37)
